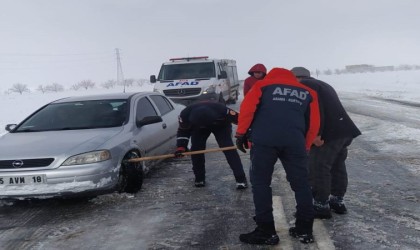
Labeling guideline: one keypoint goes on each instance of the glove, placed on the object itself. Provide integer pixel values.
(179, 152)
(241, 142)
(318, 141)
(232, 116)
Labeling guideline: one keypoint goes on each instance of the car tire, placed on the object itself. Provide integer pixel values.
(131, 174)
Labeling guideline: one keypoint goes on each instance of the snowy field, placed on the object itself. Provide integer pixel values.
(399, 85)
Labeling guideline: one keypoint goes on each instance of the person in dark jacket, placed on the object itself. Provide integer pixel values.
(284, 118)
(198, 121)
(327, 173)
(257, 72)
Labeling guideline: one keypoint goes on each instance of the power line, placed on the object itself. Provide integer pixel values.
(120, 75)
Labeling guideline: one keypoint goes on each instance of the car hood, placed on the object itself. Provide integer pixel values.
(54, 143)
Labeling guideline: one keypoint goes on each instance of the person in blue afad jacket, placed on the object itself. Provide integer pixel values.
(198, 121)
(283, 115)
(327, 168)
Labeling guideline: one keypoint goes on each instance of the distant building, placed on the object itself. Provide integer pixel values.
(384, 68)
(360, 68)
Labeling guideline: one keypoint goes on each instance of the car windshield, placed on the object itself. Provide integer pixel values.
(77, 115)
(187, 71)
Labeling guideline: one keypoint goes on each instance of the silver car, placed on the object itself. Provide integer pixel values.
(80, 145)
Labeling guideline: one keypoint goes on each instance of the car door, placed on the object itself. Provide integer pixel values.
(170, 120)
(223, 82)
(149, 138)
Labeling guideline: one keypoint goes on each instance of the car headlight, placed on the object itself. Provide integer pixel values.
(209, 90)
(157, 90)
(87, 158)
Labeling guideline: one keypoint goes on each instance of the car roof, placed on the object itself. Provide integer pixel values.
(103, 97)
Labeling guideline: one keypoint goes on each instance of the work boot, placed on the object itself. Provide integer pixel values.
(303, 231)
(322, 210)
(264, 234)
(199, 183)
(241, 185)
(337, 205)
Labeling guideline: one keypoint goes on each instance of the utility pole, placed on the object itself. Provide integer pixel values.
(120, 75)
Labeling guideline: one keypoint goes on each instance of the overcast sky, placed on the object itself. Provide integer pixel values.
(66, 41)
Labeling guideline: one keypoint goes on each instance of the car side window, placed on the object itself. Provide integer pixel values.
(144, 108)
(162, 104)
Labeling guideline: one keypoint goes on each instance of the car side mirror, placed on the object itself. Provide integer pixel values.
(152, 78)
(10, 127)
(223, 75)
(148, 120)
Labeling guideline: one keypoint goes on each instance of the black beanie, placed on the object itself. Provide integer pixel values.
(301, 72)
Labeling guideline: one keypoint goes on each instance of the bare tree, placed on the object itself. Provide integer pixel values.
(55, 87)
(141, 82)
(129, 82)
(42, 89)
(328, 72)
(86, 84)
(109, 84)
(405, 67)
(75, 86)
(19, 88)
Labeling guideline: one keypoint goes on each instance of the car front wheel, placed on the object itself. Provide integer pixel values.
(131, 174)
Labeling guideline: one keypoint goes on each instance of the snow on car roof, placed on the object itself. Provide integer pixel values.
(101, 97)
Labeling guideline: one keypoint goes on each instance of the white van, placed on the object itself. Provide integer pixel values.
(187, 79)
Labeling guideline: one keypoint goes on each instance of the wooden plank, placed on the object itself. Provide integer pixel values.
(158, 157)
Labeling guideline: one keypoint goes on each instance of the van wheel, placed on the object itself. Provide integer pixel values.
(131, 175)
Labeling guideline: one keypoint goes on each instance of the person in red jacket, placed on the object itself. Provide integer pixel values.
(284, 118)
(257, 72)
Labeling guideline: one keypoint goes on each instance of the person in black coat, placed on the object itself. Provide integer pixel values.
(198, 121)
(327, 168)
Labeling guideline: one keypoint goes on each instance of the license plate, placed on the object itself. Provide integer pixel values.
(22, 180)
